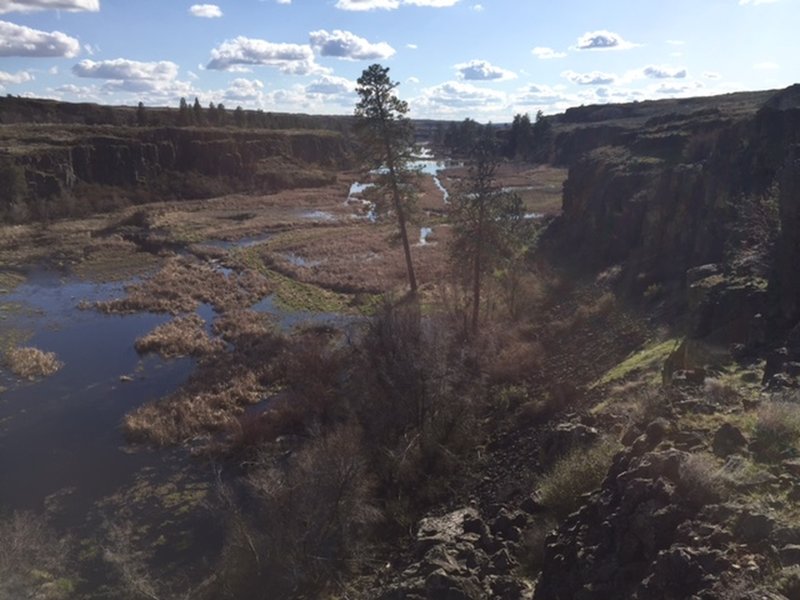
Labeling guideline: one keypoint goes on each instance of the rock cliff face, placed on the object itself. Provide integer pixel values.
(707, 187)
(58, 159)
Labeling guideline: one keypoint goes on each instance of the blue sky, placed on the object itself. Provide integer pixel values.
(484, 59)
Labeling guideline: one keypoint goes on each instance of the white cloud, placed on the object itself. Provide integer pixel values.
(676, 42)
(756, 2)
(602, 40)
(412, 80)
(478, 7)
(593, 78)
(412, 46)
(343, 44)
(14, 78)
(711, 75)
(364, 5)
(293, 59)
(456, 97)
(544, 53)
(284, 1)
(359, 5)
(330, 84)
(124, 69)
(7, 6)
(18, 40)
(481, 70)
(661, 72)
(766, 66)
(206, 11)
(242, 89)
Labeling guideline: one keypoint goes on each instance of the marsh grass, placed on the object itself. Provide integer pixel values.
(181, 285)
(183, 336)
(31, 363)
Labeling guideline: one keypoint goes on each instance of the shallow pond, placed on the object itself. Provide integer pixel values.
(63, 431)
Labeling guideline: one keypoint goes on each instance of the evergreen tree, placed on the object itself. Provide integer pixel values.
(239, 117)
(197, 111)
(387, 137)
(184, 116)
(486, 221)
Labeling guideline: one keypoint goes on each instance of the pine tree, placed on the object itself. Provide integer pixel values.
(387, 137)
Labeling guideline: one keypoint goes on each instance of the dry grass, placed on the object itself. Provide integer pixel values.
(580, 471)
(216, 395)
(32, 363)
(184, 336)
(777, 429)
(182, 284)
(362, 258)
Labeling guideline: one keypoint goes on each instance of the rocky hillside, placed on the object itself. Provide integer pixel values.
(56, 170)
(689, 212)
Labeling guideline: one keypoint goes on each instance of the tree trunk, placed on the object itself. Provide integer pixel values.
(476, 276)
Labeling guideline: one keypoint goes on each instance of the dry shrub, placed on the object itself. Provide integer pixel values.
(777, 429)
(414, 394)
(582, 315)
(30, 363)
(787, 582)
(600, 307)
(313, 514)
(721, 392)
(32, 560)
(184, 336)
(702, 480)
(578, 472)
(531, 558)
(514, 360)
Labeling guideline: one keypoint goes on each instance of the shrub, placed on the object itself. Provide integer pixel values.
(777, 429)
(314, 512)
(32, 559)
(30, 363)
(721, 392)
(702, 481)
(578, 472)
(531, 559)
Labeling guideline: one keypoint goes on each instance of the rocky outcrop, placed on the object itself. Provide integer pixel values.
(462, 556)
(154, 163)
(703, 188)
(656, 529)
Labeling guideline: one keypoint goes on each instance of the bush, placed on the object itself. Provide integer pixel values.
(777, 429)
(531, 559)
(702, 481)
(32, 559)
(314, 513)
(578, 472)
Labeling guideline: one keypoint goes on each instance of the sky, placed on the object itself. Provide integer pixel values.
(483, 59)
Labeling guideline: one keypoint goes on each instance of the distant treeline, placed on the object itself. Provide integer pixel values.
(31, 110)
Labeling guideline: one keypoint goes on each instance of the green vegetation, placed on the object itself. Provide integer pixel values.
(650, 358)
(578, 472)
